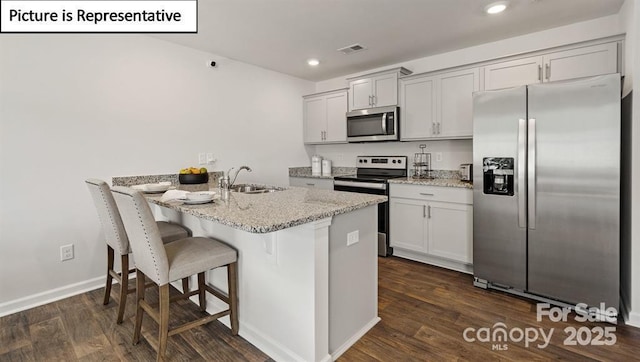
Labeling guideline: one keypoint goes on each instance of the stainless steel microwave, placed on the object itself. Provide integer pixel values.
(373, 124)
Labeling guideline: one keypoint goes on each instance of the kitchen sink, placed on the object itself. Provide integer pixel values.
(253, 189)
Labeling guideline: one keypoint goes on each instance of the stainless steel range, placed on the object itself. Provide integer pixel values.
(371, 178)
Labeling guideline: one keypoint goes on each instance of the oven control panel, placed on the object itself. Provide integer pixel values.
(389, 162)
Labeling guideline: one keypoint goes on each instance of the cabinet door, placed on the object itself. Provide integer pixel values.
(581, 62)
(450, 229)
(385, 90)
(456, 103)
(513, 73)
(336, 118)
(407, 224)
(361, 91)
(418, 108)
(315, 119)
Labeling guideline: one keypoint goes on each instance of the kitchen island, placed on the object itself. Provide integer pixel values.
(307, 290)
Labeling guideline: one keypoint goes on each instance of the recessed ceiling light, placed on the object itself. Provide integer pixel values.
(495, 8)
(313, 62)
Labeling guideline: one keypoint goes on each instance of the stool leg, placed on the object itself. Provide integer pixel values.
(107, 288)
(232, 282)
(202, 292)
(185, 285)
(139, 297)
(124, 287)
(164, 321)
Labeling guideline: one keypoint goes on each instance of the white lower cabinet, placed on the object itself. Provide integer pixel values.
(433, 225)
(311, 182)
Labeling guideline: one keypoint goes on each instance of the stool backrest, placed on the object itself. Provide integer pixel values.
(144, 236)
(114, 232)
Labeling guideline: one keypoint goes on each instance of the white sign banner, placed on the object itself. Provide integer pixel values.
(98, 16)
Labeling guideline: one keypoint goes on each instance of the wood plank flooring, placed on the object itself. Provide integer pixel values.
(424, 309)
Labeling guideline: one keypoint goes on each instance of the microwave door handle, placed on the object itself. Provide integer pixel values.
(384, 123)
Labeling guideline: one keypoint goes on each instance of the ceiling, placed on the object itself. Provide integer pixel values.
(282, 35)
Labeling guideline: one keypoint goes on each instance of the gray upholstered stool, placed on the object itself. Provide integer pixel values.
(164, 263)
(117, 240)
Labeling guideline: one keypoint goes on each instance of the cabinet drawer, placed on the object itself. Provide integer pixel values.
(319, 183)
(432, 193)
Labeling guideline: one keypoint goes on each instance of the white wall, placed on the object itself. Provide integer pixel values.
(80, 106)
(456, 152)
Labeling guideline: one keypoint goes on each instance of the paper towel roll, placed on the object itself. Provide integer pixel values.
(326, 167)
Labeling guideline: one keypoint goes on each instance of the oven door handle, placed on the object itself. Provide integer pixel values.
(364, 185)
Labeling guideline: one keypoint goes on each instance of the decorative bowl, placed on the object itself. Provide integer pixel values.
(200, 178)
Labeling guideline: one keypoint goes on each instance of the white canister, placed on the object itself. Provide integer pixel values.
(326, 167)
(316, 165)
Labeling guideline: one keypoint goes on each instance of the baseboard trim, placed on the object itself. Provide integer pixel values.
(49, 296)
(433, 260)
(351, 341)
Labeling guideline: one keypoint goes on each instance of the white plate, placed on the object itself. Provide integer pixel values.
(153, 188)
(196, 202)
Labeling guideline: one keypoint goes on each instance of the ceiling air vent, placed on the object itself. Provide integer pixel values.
(351, 49)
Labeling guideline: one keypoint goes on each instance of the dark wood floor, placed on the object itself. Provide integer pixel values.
(424, 312)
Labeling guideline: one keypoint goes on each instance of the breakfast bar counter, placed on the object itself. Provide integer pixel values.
(273, 211)
(307, 266)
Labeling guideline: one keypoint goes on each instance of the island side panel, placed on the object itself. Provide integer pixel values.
(283, 285)
(353, 278)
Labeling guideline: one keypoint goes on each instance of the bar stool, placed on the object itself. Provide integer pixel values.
(117, 240)
(173, 261)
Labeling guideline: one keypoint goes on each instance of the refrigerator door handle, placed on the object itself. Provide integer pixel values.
(531, 182)
(522, 154)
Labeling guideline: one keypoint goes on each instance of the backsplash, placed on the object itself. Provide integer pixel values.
(173, 178)
(452, 152)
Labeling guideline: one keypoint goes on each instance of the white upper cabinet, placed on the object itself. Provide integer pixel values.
(438, 106)
(375, 90)
(513, 73)
(325, 117)
(418, 107)
(580, 62)
(336, 117)
(455, 119)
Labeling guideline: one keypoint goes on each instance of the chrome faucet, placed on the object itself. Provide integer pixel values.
(225, 181)
(237, 172)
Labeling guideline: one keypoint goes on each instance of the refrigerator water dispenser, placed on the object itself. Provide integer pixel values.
(498, 175)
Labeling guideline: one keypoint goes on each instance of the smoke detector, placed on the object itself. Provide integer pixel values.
(352, 49)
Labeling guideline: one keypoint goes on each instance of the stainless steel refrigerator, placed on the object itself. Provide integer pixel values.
(546, 192)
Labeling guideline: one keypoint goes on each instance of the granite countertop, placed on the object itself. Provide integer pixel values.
(335, 171)
(443, 182)
(268, 212)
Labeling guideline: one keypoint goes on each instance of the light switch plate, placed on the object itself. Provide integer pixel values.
(202, 158)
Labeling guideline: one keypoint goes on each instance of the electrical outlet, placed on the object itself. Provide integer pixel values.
(438, 156)
(210, 158)
(202, 158)
(353, 237)
(66, 252)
